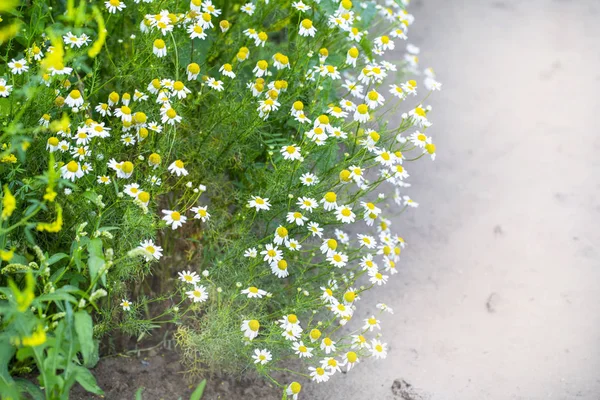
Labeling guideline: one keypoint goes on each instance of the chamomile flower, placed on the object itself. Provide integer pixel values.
(180, 90)
(378, 349)
(261, 68)
(340, 309)
(153, 251)
(17, 67)
(291, 152)
(251, 253)
(377, 278)
(359, 342)
(309, 179)
(293, 245)
(5, 89)
(315, 229)
(103, 180)
(196, 31)
(193, 70)
(329, 247)
(337, 259)
(307, 28)
(72, 171)
(331, 365)
(352, 56)
(199, 294)
(201, 213)
(327, 297)
(254, 293)
(367, 241)
(114, 5)
(384, 43)
(300, 6)
(293, 390)
(174, 219)
(280, 268)
(250, 328)
(131, 189)
(227, 70)
(362, 113)
(419, 114)
(328, 345)
(170, 116)
(248, 8)
(281, 235)
(307, 203)
(329, 201)
(296, 218)
(371, 323)
(342, 236)
(262, 356)
(215, 84)
(409, 202)
(52, 144)
(384, 307)
(125, 304)
(345, 214)
(189, 277)
(259, 203)
(177, 167)
(319, 374)
(159, 48)
(301, 350)
(271, 254)
(350, 359)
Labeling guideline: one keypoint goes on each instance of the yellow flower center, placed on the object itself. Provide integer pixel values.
(144, 197)
(262, 64)
(127, 167)
(351, 357)
(282, 232)
(295, 387)
(307, 24)
(154, 159)
(282, 265)
(72, 166)
(253, 325)
(253, 289)
(175, 216)
(171, 113)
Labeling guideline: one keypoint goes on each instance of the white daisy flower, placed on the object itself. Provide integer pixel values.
(198, 294)
(174, 219)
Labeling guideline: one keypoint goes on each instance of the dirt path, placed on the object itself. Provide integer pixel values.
(498, 292)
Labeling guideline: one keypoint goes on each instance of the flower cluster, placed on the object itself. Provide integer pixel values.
(280, 110)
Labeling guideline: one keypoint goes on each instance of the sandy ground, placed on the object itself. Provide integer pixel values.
(497, 297)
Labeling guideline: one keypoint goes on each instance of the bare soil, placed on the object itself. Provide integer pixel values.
(162, 377)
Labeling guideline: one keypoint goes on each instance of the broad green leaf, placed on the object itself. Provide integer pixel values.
(95, 259)
(197, 395)
(84, 329)
(87, 380)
